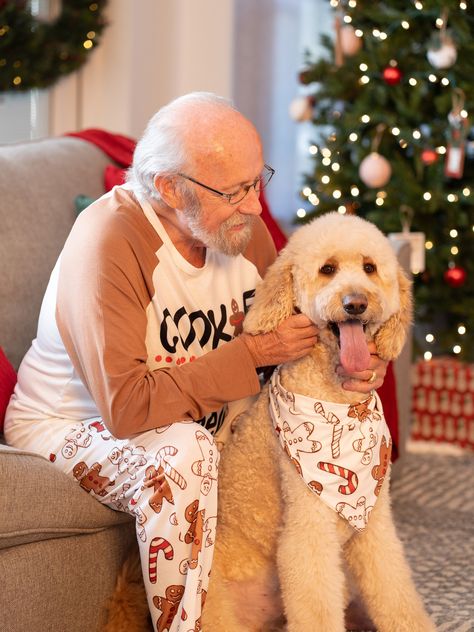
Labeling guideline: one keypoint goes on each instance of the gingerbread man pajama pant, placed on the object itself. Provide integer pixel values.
(175, 513)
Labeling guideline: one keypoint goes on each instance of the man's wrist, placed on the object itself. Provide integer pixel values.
(252, 347)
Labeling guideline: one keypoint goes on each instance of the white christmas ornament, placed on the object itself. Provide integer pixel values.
(350, 43)
(443, 57)
(301, 109)
(375, 170)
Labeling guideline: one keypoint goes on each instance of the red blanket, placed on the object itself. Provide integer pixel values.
(120, 149)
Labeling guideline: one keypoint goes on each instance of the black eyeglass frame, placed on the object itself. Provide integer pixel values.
(229, 196)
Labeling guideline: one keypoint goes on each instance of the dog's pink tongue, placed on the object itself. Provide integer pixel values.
(355, 354)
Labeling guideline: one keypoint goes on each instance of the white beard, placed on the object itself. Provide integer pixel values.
(223, 239)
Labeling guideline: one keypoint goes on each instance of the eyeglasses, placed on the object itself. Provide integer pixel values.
(234, 198)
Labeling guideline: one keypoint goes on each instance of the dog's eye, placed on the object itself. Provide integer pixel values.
(328, 269)
(370, 268)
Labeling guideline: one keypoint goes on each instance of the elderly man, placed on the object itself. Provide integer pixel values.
(140, 346)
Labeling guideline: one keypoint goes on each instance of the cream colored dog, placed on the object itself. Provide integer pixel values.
(282, 553)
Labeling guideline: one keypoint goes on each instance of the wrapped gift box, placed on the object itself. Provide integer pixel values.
(443, 401)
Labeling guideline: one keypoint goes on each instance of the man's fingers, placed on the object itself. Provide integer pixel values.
(299, 320)
(362, 386)
(291, 340)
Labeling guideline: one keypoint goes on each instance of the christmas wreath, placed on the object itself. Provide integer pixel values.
(35, 53)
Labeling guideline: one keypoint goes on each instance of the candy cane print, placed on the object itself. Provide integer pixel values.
(343, 472)
(336, 441)
(331, 418)
(157, 545)
(173, 474)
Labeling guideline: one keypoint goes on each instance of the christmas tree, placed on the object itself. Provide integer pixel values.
(390, 102)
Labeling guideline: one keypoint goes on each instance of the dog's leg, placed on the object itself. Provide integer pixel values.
(309, 559)
(247, 604)
(243, 591)
(378, 563)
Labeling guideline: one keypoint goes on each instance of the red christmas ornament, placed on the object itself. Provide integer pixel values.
(429, 156)
(456, 276)
(305, 76)
(392, 75)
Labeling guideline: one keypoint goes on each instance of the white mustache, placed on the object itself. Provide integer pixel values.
(237, 219)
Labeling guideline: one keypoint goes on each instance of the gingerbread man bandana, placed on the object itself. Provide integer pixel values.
(342, 451)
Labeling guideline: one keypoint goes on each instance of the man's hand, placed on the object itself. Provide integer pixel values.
(365, 381)
(292, 339)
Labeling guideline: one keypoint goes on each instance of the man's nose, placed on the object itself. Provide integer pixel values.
(250, 205)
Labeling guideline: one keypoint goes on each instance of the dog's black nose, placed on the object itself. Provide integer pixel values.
(354, 303)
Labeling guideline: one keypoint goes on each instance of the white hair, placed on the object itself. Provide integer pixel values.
(162, 149)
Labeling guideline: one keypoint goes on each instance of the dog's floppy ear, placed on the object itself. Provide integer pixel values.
(391, 337)
(274, 298)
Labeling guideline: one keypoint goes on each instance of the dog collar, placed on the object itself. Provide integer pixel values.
(342, 451)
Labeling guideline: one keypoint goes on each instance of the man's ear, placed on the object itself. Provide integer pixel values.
(169, 192)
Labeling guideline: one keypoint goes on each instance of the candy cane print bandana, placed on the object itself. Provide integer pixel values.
(342, 451)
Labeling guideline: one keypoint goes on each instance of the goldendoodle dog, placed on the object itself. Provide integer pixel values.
(304, 505)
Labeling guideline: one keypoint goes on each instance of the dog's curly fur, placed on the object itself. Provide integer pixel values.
(127, 609)
(282, 557)
(279, 548)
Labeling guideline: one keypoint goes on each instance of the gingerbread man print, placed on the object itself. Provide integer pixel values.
(168, 605)
(360, 411)
(298, 440)
(128, 460)
(357, 516)
(366, 442)
(79, 437)
(195, 532)
(207, 466)
(237, 318)
(90, 479)
(379, 471)
(161, 490)
(119, 496)
(210, 530)
(140, 523)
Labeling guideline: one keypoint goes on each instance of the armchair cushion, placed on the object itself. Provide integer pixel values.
(40, 513)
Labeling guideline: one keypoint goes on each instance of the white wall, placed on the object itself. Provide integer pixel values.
(151, 52)
(155, 50)
(270, 39)
(268, 54)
